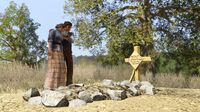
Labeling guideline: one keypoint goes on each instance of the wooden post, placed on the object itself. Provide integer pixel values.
(135, 59)
(137, 71)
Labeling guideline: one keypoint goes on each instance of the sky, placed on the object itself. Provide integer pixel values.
(48, 13)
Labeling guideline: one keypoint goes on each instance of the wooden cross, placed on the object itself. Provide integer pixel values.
(135, 59)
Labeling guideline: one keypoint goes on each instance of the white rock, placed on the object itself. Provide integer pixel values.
(54, 99)
(125, 83)
(117, 94)
(62, 88)
(135, 92)
(33, 92)
(35, 100)
(77, 103)
(147, 87)
(107, 82)
(86, 96)
(68, 93)
(97, 96)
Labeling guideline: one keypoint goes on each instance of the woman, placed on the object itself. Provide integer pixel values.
(56, 75)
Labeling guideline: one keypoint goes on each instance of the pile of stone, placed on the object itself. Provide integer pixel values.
(76, 95)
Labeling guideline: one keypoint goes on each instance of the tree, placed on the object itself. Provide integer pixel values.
(18, 38)
(182, 42)
(164, 25)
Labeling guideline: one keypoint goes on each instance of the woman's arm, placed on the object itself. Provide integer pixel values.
(50, 51)
(50, 41)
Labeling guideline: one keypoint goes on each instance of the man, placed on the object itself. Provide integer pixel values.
(67, 51)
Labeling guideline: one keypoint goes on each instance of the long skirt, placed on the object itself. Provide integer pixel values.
(56, 75)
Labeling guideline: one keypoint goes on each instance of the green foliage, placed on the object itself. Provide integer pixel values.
(95, 28)
(167, 26)
(178, 63)
(165, 64)
(18, 39)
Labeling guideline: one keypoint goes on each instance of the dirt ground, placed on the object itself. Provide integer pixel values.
(166, 100)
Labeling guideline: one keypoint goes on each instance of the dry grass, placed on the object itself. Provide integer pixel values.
(15, 76)
(92, 72)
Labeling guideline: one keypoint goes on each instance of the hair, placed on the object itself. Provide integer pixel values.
(66, 23)
(59, 25)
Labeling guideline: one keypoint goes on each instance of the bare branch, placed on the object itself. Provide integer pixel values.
(127, 8)
(129, 16)
(10, 46)
(124, 8)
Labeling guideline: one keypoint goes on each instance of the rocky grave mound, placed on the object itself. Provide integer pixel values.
(76, 95)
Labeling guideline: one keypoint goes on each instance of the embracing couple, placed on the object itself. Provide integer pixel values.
(60, 62)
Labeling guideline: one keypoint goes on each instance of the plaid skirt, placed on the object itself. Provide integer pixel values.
(56, 75)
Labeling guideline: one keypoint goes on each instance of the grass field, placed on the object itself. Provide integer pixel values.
(15, 76)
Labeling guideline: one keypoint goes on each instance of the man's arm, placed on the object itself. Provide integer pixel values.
(67, 37)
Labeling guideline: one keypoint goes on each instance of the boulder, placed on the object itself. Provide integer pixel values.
(35, 100)
(98, 96)
(76, 85)
(86, 96)
(107, 83)
(54, 99)
(117, 94)
(135, 91)
(33, 92)
(77, 103)
(124, 83)
(62, 88)
(79, 89)
(68, 93)
(147, 87)
(134, 84)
